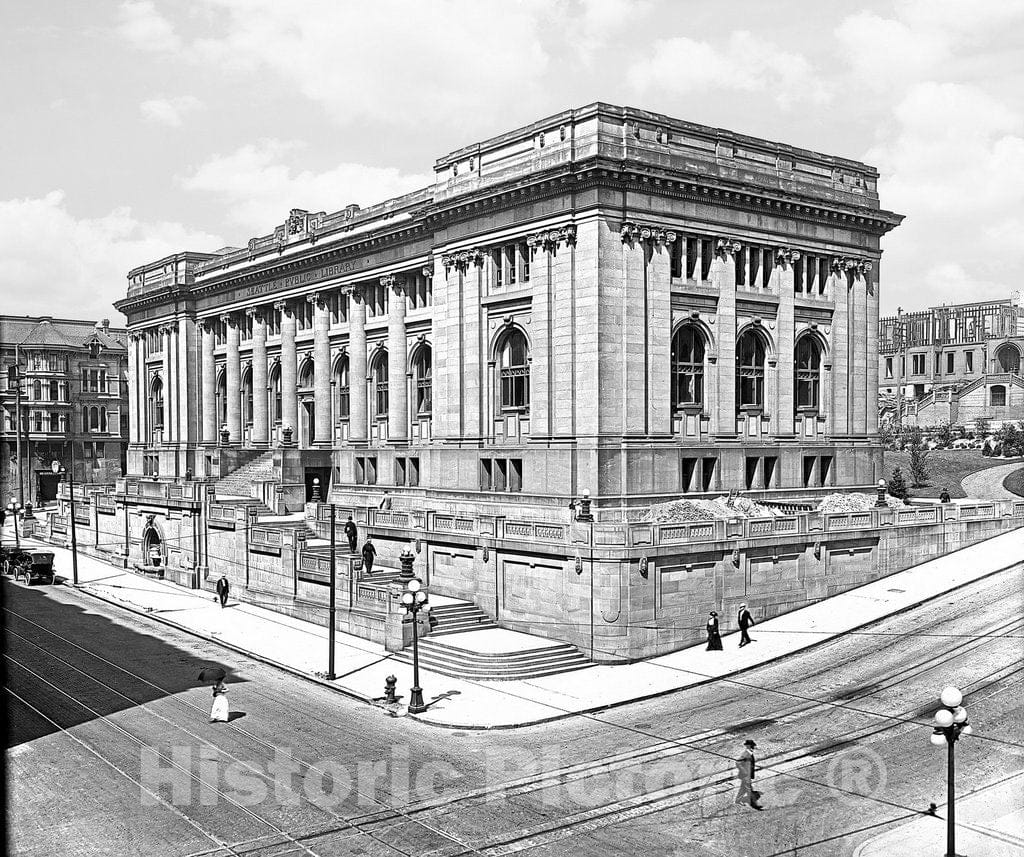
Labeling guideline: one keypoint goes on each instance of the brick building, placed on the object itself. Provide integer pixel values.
(73, 403)
(607, 303)
(955, 363)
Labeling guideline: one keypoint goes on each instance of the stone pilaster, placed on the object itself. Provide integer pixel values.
(170, 383)
(357, 421)
(260, 394)
(634, 336)
(723, 277)
(321, 371)
(133, 388)
(783, 409)
(233, 377)
(659, 331)
(543, 332)
(289, 368)
(871, 322)
(209, 384)
(841, 351)
(398, 362)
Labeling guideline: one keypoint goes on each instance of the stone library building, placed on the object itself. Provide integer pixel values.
(602, 311)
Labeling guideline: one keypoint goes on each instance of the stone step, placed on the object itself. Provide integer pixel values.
(458, 662)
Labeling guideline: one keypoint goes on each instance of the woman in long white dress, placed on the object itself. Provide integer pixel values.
(219, 714)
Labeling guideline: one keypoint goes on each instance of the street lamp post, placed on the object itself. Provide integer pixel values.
(414, 599)
(15, 508)
(950, 724)
(59, 469)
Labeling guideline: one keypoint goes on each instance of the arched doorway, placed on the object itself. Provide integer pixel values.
(1008, 359)
(152, 547)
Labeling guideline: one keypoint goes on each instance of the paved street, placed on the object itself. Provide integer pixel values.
(111, 751)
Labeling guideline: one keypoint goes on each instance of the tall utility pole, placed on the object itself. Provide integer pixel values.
(900, 361)
(333, 596)
(17, 423)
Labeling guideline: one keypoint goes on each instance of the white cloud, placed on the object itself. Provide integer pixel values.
(259, 188)
(169, 111)
(744, 62)
(144, 28)
(53, 262)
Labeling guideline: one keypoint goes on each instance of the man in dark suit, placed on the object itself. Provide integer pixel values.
(222, 590)
(352, 534)
(369, 555)
(745, 620)
(746, 768)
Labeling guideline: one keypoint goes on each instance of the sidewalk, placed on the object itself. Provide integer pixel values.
(989, 823)
(362, 666)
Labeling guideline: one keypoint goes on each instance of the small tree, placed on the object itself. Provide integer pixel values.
(944, 434)
(919, 464)
(897, 485)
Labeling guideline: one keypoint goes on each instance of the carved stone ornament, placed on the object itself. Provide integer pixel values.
(550, 239)
(428, 271)
(727, 246)
(391, 281)
(318, 299)
(786, 256)
(354, 291)
(283, 306)
(631, 232)
(252, 246)
(296, 222)
(852, 265)
(257, 313)
(462, 259)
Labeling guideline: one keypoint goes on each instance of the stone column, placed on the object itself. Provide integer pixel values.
(209, 384)
(659, 331)
(321, 370)
(723, 275)
(260, 414)
(233, 380)
(357, 420)
(398, 389)
(289, 369)
(170, 383)
(783, 408)
(133, 388)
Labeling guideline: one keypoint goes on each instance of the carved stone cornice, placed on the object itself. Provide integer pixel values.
(550, 239)
(395, 282)
(632, 232)
(727, 247)
(462, 259)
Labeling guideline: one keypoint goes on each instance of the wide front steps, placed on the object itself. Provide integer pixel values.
(458, 662)
(249, 502)
(457, 619)
(239, 483)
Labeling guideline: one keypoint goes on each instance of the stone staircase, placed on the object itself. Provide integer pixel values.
(239, 482)
(458, 662)
(457, 619)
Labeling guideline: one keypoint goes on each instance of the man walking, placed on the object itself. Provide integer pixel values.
(352, 534)
(746, 768)
(745, 620)
(369, 554)
(222, 591)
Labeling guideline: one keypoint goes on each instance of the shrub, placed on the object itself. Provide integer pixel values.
(897, 485)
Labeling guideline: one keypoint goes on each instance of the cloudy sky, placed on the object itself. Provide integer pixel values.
(133, 129)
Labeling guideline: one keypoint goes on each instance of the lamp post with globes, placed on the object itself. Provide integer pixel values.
(15, 508)
(950, 724)
(60, 470)
(414, 599)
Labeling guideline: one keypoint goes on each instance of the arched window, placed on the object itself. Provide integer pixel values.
(247, 397)
(275, 393)
(222, 399)
(306, 376)
(514, 366)
(157, 393)
(380, 383)
(422, 371)
(342, 383)
(687, 367)
(997, 396)
(750, 353)
(1008, 358)
(103, 420)
(37, 391)
(85, 418)
(808, 373)
(94, 419)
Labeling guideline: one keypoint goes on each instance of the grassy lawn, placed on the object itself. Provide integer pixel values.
(1015, 483)
(946, 467)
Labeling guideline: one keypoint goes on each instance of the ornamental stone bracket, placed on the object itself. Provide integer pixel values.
(354, 291)
(632, 232)
(397, 283)
(727, 247)
(257, 313)
(284, 307)
(317, 299)
(852, 265)
(550, 239)
(786, 256)
(462, 259)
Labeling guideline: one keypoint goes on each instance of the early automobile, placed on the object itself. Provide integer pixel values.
(38, 566)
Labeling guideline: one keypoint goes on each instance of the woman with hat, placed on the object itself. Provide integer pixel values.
(714, 636)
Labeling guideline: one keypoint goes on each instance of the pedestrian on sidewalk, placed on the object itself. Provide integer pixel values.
(352, 534)
(369, 554)
(944, 496)
(714, 636)
(745, 620)
(219, 712)
(746, 769)
(223, 587)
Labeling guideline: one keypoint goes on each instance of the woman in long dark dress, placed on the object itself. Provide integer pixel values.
(714, 637)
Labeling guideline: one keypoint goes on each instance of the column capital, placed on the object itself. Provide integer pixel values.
(166, 328)
(786, 255)
(462, 259)
(727, 247)
(284, 307)
(229, 318)
(354, 291)
(206, 324)
(395, 282)
(257, 313)
(428, 271)
(134, 335)
(852, 265)
(317, 299)
(632, 232)
(550, 239)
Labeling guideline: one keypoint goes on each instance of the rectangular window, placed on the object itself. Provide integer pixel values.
(809, 462)
(754, 262)
(413, 472)
(888, 367)
(825, 471)
(950, 362)
(707, 474)
(399, 471)
(499, 273)
(969, 356)
(705, 258)
(770, 463)
(798, 277)
(360, 471)
(918, 364)
(750, 471)
(371, 470)
(515, 474)
(485, 474)
(938, 364)
(688, 468)
(526, 253)
(691, 258)
(676, 265)
(510, 264)
(499, 475)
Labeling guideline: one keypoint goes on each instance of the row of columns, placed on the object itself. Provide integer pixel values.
(323, 429)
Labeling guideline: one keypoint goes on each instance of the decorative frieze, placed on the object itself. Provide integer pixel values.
(462, 259)
(632, 232)
(550, 239)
